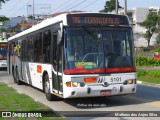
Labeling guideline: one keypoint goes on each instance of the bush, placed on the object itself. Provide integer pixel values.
(147, 61)
(149, 73)
(146, 49)
(141, 73)
(157, 50)
(154, 73)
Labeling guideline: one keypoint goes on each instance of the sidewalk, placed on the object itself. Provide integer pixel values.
(148, 84)
(148, 67)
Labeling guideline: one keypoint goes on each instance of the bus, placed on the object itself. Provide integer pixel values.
(3, 53)
(74, 55)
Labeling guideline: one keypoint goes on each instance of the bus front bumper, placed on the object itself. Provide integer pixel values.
(93, 91)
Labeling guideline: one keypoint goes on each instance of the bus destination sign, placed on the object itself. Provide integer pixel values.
(3, 45)
(97, 19)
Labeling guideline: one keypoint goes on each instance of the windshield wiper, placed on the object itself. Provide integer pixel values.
(114, 33)
(90, 33)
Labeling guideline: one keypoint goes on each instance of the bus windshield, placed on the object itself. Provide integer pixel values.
(98, 49)
(3, 51)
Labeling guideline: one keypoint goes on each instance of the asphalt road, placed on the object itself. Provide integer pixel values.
(147, 98)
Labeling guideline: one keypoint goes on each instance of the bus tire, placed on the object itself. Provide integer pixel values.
(17, 77)
(49, 95)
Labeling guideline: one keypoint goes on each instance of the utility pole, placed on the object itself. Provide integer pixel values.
(116, 6)
(125, 7)
(33, 9)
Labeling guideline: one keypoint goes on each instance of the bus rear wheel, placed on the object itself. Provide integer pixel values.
(48, 93)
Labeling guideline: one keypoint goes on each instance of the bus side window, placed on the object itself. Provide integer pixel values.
(46, 46)
(38, 47)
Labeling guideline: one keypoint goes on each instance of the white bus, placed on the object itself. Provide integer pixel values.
(3, 53)
(76, 55)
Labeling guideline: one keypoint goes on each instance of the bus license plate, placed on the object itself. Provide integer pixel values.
(105, 92)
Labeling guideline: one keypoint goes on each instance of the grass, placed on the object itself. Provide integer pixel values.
(150, 76)
(149, 79)
(11, 100)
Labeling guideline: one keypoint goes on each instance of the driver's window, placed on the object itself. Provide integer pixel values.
(57, 54)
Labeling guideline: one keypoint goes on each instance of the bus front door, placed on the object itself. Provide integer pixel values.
(57, 65)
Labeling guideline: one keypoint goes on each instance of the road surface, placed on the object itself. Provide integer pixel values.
(147, 98)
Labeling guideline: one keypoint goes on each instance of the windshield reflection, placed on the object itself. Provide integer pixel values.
(92, 47)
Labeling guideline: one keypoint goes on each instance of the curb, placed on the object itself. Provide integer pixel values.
(148, 84)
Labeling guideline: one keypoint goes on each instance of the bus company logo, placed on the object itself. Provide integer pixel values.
(101, 80)
(6, 114)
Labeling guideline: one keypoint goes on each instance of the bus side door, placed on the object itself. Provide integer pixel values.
(57, 64)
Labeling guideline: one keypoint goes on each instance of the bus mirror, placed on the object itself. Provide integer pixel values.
(59, 37)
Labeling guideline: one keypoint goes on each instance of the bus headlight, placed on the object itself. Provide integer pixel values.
(130, 81)
(74, 84)
(71, 84)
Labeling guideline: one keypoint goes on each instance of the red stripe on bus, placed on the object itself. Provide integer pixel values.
(100, 70)
(74, 71)
(121, 69)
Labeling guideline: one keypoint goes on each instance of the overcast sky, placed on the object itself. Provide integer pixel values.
(15, 8)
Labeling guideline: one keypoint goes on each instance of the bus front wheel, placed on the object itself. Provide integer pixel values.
(48, 93)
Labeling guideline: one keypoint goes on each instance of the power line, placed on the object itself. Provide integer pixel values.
(60, 6)
(22, 7)
(70, 4)
(89, 4)
(13, 7)
(76, 5)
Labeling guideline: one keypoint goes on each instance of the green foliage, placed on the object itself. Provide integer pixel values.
(3, 18)
(149, 73)
(150, 76)
(147, 49)
(10, 100)
(158, 38)
(157, 50)
(2, 1)
(110, 6)
(151, 25)
(141, 73)
(147, 61)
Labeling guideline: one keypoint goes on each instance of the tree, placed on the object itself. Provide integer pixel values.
(110, 6)
(158, 38)
(150, 24)
(2, 1)
(3, 18)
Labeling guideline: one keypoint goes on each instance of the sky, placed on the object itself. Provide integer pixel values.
(14, 8)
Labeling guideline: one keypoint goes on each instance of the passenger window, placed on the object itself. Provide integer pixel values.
(46, 46)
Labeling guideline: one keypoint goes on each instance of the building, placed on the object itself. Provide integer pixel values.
(136, 17)
(21, 27)
(15, 20)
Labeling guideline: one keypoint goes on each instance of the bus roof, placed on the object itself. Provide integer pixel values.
(59, 18)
